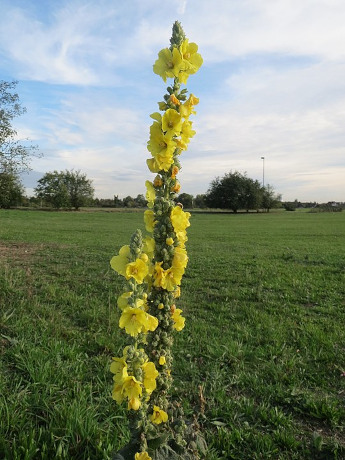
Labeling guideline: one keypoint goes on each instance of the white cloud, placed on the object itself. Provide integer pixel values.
(278, 88)
(300, 27)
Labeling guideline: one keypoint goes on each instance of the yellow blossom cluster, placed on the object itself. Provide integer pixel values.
(178, 62)
(153, 266)
(169, 135)
(131, 387)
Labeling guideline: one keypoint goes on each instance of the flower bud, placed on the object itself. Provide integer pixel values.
(157, 181)
(176, 188)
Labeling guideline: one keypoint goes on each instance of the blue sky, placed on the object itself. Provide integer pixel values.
(272, 84)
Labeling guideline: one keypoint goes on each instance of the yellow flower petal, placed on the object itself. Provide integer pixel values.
(159, 416)
(137, 270)
(142, 456)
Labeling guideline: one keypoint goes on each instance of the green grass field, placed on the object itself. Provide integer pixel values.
(261, 359)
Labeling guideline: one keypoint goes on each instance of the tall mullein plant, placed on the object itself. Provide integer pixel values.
(153, 266)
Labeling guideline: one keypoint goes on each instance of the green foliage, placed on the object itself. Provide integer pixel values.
(11, 190)
(263, 344)
(186, 200)
(270, 199)
(234, 191)
(200, 201)
(68, 189)
(14, 155)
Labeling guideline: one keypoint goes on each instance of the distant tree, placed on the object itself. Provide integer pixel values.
(69, 189)
(186, 200)
(14, 155)
(128, 202)
(11, 190)
(289, 206)
(270, 199)
(79, 188)
(103, 202)
(252, 194)
(200, 201)
(234, 191)
(52, 189)
(118, 203)
(140, 201)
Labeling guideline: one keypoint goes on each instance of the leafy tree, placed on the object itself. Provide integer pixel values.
(200, 201)
(270, 199)
(11, 190)
(186, 200)
(118, 203)
(252, 194)
(14, 155)
(234, 191)
(79, 188)
(140, 201)
(128, 202)
(52, 189)
(70, 189)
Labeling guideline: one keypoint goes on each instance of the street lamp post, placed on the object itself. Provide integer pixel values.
(263, 171)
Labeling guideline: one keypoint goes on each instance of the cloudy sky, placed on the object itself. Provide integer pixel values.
(272, 85)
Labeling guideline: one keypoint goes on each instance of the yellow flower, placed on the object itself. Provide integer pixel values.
(172, 123)
(119, 368)
(187, 108)
(168, 63)
(161, 306)
(164, 161)
(177, 292)
(150, 193)
(169, 241)
(136, 320)
(144, 257)
(142, 456)
(179, 219)
(181, 144)
(158, 415)
(173, 277)
(180, 258)
(118, 263)
(122, 301)
(182, 238)
(159, 275)
(173, 99)
(178, 320)
(162, 360)
(137, 270)
(149, 246)
(117, 393)
(187, 132)
(131, 388)
(150, 375)
(159, 144)
(134, 403)
(151, 323)
(153, 165)
(192, 57)
(149, 219)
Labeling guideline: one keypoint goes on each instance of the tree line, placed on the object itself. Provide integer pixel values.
(72, 189)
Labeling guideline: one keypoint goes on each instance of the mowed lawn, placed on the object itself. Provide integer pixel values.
(261, 361)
